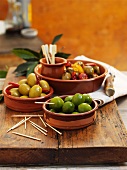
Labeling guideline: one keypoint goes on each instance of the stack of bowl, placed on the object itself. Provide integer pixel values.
(53, 72)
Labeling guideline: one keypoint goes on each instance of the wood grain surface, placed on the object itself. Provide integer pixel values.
(105, 141)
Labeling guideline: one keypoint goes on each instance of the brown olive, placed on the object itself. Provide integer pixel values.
(66, 76)
(88, 70)
(97, 69)
(95, 75)
(79, 63)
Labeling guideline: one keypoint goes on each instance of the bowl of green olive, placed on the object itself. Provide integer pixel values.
(23, 96)
(70, 111)
(79, 76)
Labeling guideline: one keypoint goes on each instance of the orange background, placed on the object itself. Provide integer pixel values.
(94, 28)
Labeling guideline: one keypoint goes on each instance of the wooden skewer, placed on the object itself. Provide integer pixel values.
(43, 103)
(54, 50)
(50, 51)
(47, 52)
(44, 52)
(27, 136)
(53, 129)
(18, 124)
(38, 129)
(38, 126)
(42, 121)
(26, 115)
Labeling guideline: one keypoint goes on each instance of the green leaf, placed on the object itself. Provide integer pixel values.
(3, 73)
(31, 68)
(22, 67)
(21, 73)
(26, 54)
(63, 55)
(41, 54)
(56, 38)
(25, 68)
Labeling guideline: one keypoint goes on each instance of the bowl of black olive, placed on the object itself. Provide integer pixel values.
(80, 76)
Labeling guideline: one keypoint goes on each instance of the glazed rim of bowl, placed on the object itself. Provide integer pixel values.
(28, 99)
(56, 64)
(70, 115)
(61, 80)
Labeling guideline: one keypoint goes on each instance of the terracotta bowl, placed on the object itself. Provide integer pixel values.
(70, 121)
(63, 87)
(24, 104)
(53, 70)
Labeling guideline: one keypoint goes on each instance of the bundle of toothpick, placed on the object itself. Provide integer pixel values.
(49, 53)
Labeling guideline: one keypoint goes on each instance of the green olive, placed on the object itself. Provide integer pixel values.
(44, 85)
(35, 91)
(43, 94)
(24, 97)
(23, 81)
(31, 79)
(15, 92)
(24, 89)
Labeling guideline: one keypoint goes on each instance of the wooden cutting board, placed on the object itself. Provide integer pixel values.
(105, 141)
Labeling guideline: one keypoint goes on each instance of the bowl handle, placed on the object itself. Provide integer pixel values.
(100, 102)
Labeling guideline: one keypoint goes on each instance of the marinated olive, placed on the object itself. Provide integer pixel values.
(95, 75)
(79, 63)
(70, 70)
(96, 69)
(66, 76)
(89, 70)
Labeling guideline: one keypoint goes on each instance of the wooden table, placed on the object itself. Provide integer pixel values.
(9, 42)
(98, 145)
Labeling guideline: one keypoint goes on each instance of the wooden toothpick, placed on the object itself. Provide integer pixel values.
(53, 129)
(42, 121)
(39, 129)
(18, 124)
(27, 136)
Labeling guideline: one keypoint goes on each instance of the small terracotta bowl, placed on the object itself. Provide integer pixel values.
(70, 121)
(65, 87)
(24, 104)
(53, 70)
